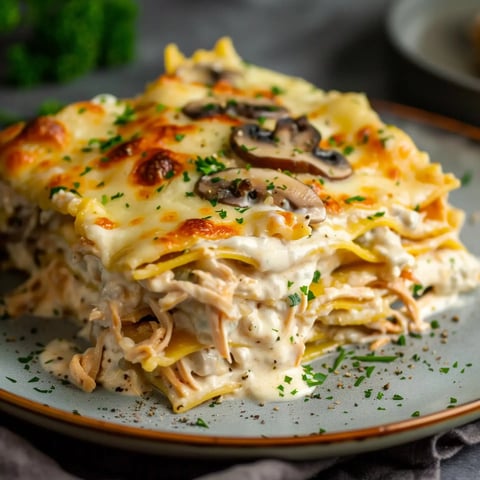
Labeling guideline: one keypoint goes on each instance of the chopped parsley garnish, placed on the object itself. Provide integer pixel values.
(417, 289)
(179, 137)
(435, 324)
(294, 299)
(86, 170)
(208, 165)
(221, 213)
(316, 276)
(312, 378)
(117, 195)
(186, 176)
(276, 90)
(348, 150)
(466, 178)
(242, 209)
(339, 359)
(332, 141)
(375, 358)
(359, 381)
(56, 189)
(127, 116)
(201, 423)
(160, 107)
(376, 215)
(356, 198)
(111, 142)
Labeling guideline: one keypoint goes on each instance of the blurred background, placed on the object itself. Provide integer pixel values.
(406, 51)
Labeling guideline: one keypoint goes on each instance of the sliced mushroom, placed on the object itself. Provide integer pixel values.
(208, 74)
(242, 187)
(251, 109)
(292, 146)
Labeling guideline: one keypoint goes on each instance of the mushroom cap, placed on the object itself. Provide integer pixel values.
(251, 109)
(245, 187)
(292, 146)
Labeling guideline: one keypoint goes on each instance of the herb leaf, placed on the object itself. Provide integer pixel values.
(208, 165)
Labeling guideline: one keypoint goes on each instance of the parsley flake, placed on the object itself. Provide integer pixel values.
(208, 165)
(276, 90)
(201, 423)
(356, 198)
(294, 299)
(466, 178)
(86, 170)
(111, 142)
(127, 116)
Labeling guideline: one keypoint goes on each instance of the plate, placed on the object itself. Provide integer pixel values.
(438, 71)
(433, 385)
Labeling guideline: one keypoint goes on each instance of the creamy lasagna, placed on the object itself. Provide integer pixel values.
(216, 233)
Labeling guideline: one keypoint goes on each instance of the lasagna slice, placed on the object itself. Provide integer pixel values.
(219, 231)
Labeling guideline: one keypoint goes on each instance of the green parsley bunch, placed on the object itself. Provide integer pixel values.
(64, 39)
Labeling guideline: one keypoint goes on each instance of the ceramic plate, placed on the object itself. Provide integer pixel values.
(433, 36)
(431, 386)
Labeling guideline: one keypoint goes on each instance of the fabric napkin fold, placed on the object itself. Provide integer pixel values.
(420, 460)
(453, 455)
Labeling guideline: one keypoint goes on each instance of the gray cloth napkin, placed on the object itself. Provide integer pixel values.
(451, 455)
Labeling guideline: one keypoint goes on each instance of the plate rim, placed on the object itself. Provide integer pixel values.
(457, 415)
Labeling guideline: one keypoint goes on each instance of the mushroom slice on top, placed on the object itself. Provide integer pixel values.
(242, 187)
(251, 109)
(292, 146)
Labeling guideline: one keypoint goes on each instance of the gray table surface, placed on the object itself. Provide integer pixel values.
(336, 44)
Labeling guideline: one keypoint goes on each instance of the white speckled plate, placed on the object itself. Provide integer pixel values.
(433, 386)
